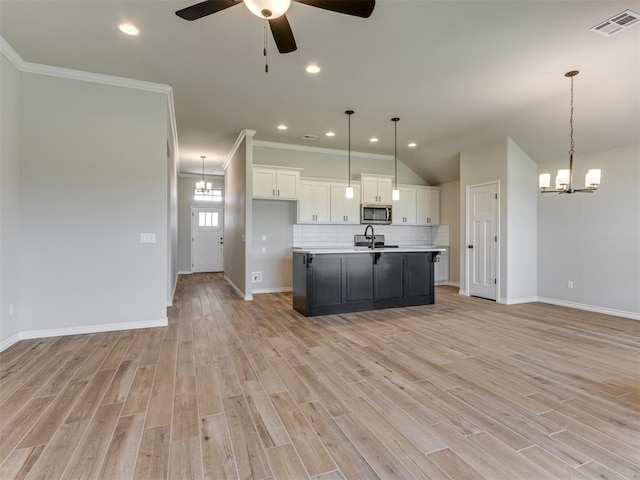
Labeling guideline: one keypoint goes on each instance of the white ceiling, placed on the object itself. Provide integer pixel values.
(457, 73)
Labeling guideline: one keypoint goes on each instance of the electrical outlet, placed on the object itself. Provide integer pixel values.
(147, 238)
(256, 276)
(570, 284)
(264, 237)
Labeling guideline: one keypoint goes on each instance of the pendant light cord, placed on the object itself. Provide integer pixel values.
(572, 144)
(395, 149)
(349, 113)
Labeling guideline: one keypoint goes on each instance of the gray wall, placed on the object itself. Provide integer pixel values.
(593, 239)
(274, 219)
(186, 183)
(10, 97)
(450, 215)
(235, 217)
(93, 177)
(332, 165)
(522, 225)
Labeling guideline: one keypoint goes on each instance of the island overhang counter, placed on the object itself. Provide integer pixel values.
(341, 280)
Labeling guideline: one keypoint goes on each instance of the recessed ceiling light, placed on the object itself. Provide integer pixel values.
(312, 69)
(282, 127)
(331, 134)
(373, 139)
(128, 29)
(412, 144)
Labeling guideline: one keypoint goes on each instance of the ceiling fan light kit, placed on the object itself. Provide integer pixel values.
(564, 178)
(268, 8)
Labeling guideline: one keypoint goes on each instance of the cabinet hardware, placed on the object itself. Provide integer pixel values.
(278, 192)
(469, 246)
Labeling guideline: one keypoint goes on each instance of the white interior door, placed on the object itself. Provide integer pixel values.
(482, 205)
(206, 239)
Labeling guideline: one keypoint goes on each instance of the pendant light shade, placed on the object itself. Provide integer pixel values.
(268, 8)
(349, 189)
(564, 178)
(395, 193)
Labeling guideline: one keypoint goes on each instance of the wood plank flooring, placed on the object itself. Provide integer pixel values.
(463, 389)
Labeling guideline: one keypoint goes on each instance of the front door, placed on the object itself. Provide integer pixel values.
(206, 239)
(482, 211)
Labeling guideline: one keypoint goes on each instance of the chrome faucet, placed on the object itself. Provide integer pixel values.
(372, 237)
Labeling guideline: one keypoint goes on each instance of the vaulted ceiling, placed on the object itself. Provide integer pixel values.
(457, 73)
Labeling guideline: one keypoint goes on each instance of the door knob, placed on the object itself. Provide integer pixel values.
(469, 246)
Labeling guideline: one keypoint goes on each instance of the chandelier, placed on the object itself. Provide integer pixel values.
(564, 179)
(203, 188)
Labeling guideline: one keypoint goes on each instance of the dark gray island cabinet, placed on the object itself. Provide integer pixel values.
(327, 281)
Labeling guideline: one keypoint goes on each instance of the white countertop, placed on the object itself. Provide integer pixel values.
(407, 248)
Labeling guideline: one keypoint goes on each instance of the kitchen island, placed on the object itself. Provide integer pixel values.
(340, 280)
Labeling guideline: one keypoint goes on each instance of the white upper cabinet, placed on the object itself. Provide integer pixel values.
(276, 182)
(376, 189)
(405, 210)
(315, 202)
(428, 206)
(343, 209)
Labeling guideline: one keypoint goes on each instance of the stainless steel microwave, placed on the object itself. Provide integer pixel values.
(373, 213)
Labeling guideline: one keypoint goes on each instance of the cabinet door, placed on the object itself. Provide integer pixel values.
(428, 206)
(352, 206)
(326, 280)
(441, 269)
(264, 183)
(343, 209)
(305, 207)
(404, 210)
(418, 274)
(388, 276)
(322, 202)
(288, 184)
(369, 190)
(358, 277)
(385, 186)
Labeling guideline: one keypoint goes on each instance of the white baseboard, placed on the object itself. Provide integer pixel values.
(463, 293)
(272, 290)
(186, 273)
(591, 308)
(61, 332)
(247, 297)
(454, 284)
(516, 301)
(9, 342)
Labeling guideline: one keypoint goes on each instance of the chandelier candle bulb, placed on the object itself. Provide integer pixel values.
(563, 176)
(545, 180)
(593, 178)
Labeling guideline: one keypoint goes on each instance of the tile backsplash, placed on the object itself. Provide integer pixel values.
(342, 235)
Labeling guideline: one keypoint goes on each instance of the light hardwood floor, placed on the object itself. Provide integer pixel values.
(464, 389)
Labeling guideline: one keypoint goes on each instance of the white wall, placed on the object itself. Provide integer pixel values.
(93, 177)
(186, 184)
(274, 219)
(10, 97)
(521, 215)
(332, 164)
(450, 215)
(593, 239)
(235, 217)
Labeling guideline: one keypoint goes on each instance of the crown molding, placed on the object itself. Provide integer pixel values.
(241, 136)
(48, 70)
(330, 151)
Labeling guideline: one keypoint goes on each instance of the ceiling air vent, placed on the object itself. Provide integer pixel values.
(310, 137)
(617, 23)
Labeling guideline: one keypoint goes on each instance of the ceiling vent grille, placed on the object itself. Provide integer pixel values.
(617, 23)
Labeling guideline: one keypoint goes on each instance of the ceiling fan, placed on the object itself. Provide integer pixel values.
(274, 11)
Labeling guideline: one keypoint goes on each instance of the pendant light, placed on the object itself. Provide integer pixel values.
(395, 194)
(349, 189)
(202, 187)
(564, 179)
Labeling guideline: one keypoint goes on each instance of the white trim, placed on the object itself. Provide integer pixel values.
(331, 151)
(173, 291)
(10, 342)
(219, 175)
(591, 308)
(235, 288)
(463, 293)
(11, 55)
(272, 290)
(185, 273)
(60, 72)
(241, 136)
(516, 301)
(454, 284)
(81, 330)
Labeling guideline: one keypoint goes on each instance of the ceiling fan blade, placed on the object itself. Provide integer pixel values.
(203, 9)
(283, 35)
(357, 8)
